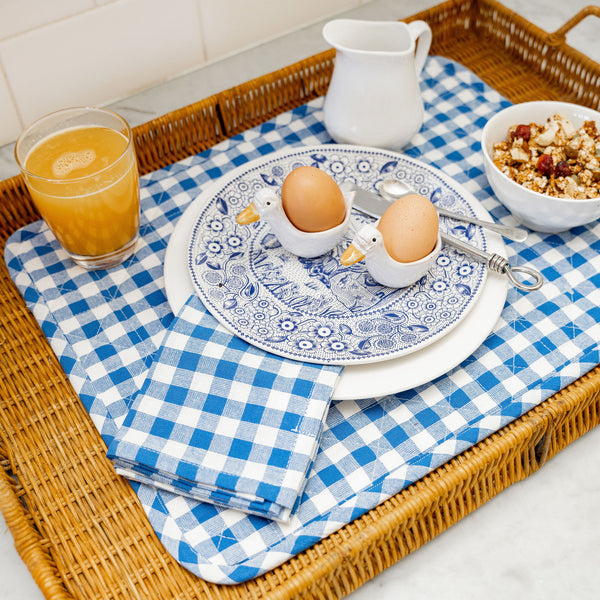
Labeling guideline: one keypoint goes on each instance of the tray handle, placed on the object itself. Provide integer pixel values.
(559, 36)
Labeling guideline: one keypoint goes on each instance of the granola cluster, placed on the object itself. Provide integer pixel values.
(553, 158)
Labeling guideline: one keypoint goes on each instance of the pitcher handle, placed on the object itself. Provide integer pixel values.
(419, 30)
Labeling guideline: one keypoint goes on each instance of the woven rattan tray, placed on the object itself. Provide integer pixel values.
(79, 527)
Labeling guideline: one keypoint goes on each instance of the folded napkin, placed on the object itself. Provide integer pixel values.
(222, 421)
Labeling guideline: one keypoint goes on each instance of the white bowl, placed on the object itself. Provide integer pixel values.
(539, 212)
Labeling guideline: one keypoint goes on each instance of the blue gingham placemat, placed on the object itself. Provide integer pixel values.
(105, 327)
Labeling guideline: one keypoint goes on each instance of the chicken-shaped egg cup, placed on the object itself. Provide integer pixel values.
(402, 246)
(309, 218)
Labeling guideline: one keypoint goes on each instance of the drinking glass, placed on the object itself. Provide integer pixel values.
(80, 168)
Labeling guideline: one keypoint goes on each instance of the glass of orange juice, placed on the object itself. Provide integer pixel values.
(80, 168)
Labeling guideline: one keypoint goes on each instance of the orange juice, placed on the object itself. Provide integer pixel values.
(84, 182)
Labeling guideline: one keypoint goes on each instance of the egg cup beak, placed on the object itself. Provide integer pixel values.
(248, 215)
(351, 256)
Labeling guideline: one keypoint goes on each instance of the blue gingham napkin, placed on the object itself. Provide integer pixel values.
(222, 421)
(106, 327)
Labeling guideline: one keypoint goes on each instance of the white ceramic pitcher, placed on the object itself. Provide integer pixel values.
(373, 97)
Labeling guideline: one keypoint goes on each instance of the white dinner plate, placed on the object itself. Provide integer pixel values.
(370, 379)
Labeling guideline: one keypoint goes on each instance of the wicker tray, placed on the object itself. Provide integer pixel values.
(80, 528)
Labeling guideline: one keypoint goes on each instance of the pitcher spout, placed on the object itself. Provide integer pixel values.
(369, 37)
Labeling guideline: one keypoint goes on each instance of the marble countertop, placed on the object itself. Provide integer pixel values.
(537, 539)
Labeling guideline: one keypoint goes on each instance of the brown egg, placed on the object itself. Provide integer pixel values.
(409, 228)
(312, 200)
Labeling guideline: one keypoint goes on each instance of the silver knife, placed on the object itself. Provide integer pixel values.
(376, 204)
(373, 205)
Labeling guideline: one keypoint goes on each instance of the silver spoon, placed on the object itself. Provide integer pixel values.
(392, 189)
(493, 261)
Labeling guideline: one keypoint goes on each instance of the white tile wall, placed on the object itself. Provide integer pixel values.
(9, 119)
(17, 16)
(247, 23)
(101, 54)
(60, 53)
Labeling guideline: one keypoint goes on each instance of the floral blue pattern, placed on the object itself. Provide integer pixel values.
(317, 310)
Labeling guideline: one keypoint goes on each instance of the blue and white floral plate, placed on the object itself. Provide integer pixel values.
(316, 310)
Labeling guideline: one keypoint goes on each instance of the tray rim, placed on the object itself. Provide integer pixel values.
(521, 447)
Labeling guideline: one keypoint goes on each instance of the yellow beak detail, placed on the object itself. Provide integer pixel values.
(248, 215)
(351, 256)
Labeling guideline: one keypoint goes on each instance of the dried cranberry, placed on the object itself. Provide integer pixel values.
(522, 131)
(545, 164)
(562, 169)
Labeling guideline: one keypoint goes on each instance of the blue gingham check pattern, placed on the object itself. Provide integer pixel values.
(106, 326)
(222, 421)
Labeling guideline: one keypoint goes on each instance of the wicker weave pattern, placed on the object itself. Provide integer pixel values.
(80, 528)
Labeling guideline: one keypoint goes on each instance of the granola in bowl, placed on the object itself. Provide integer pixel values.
(553, 157)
